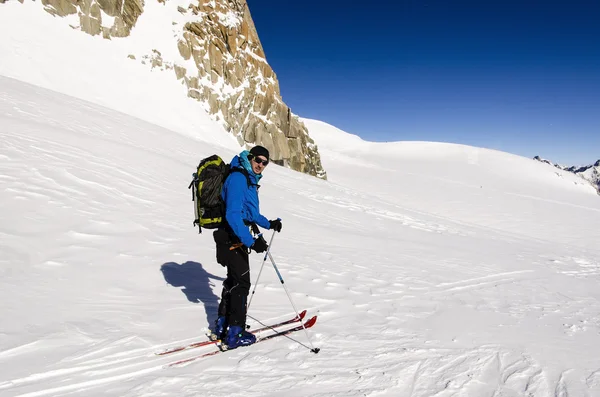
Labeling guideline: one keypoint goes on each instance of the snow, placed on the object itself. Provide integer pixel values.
(107, 20)
(435, 178)
(100, 71)
(229, 19)
(434, 269)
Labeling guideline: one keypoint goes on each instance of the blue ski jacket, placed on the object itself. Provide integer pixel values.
(241, 200)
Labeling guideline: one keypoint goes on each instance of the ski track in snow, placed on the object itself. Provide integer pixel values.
(414, 304)
(424, 371)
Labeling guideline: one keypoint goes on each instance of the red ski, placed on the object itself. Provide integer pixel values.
(194, 345)
(307, 324)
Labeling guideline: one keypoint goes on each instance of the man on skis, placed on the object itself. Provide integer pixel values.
(234, 242)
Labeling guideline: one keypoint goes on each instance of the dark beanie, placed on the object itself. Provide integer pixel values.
(260, 151)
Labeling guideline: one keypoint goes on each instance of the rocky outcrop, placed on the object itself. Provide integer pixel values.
(590, 173)
(122, 14)
(221, 62)
(233, 76)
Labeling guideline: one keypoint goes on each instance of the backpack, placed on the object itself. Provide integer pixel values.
(206, 185)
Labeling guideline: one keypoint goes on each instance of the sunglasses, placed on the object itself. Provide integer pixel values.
(259, 161)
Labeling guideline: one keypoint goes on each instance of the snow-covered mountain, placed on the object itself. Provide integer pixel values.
(208, 50)
(434, 269)
(590, 173)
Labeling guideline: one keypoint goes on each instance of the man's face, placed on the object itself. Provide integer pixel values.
(258, 164)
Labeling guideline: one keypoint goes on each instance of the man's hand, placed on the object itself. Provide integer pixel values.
(260, 245)
(275, 225)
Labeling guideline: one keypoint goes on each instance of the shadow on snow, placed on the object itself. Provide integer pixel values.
(197, 285)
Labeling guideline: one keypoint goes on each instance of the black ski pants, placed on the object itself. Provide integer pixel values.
(236, 286)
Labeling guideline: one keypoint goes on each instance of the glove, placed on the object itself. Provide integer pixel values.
(275, 225)
(260, 245)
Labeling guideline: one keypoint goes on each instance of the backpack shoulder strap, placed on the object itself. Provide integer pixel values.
(242, 171)
(254, 227)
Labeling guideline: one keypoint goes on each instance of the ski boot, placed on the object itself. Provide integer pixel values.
(220, 332)
(237, 336)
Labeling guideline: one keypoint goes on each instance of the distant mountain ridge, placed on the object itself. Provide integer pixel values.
(590, 173)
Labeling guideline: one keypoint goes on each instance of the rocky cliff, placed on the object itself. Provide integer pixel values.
(217, 54)
(590, 173)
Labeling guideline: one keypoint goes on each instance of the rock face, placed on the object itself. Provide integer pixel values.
(222, 64)
(124, 14)
(590, 173)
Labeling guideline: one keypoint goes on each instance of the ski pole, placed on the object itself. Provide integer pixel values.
(260, 271)
(314, 349)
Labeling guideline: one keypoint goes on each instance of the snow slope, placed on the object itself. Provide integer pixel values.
(436, 177)
(44, 50)
(590, 173)
(435, 269)
(101, 268)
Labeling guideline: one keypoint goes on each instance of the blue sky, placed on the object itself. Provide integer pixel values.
(518, 76)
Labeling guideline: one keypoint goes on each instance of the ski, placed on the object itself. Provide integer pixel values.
(194, 345)
(307, 324)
